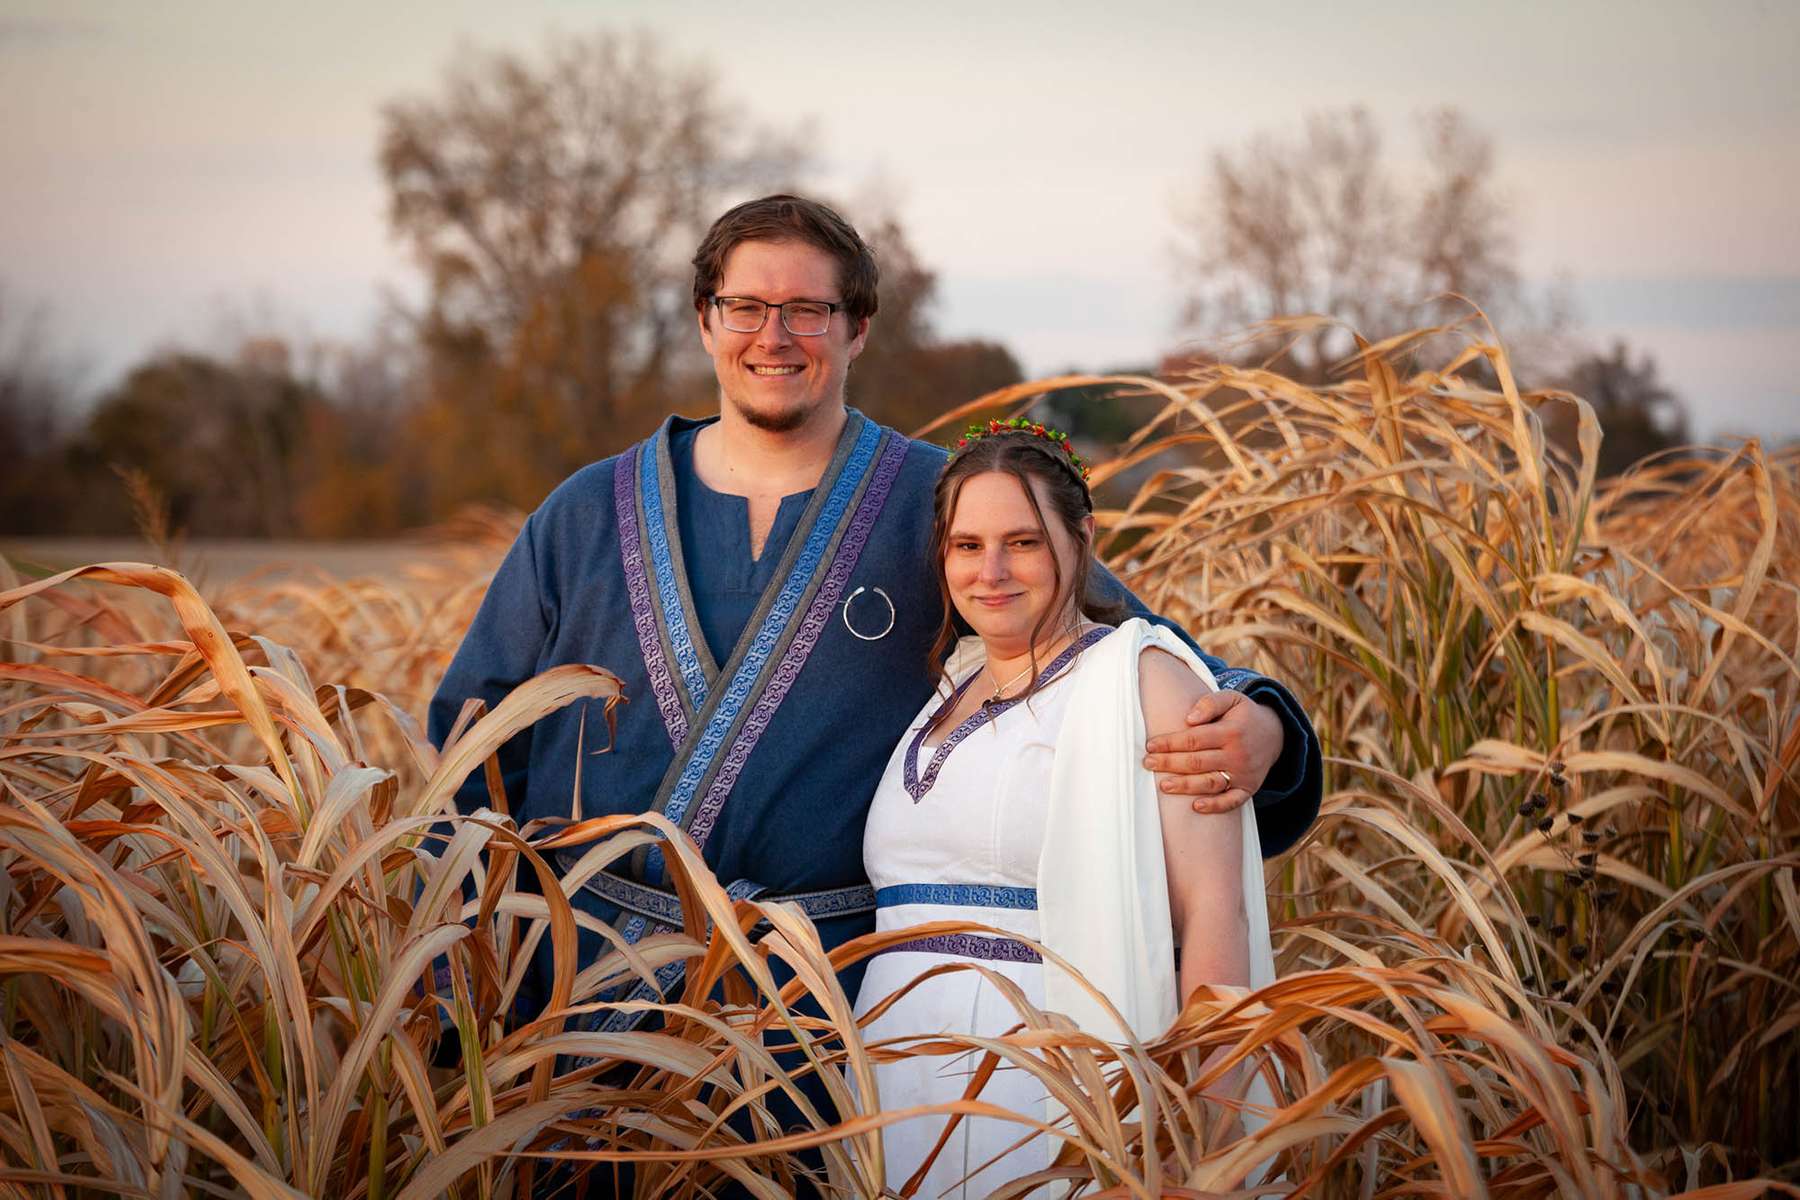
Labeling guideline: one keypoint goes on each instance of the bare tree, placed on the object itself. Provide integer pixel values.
(1323, 224)
(553, 204)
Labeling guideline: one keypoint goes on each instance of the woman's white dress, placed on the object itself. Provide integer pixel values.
(956, 831)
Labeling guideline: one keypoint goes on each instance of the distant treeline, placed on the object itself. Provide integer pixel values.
(552, 204)
(285, 441)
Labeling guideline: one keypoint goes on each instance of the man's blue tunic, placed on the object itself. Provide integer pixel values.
(758, 719)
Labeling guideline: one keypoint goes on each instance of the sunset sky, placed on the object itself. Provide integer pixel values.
(169, 165)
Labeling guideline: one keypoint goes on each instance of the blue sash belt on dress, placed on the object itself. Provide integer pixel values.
(962, 895)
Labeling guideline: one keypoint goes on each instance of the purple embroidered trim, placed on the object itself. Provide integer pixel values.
(917, 787)
(969, 945)
(637, 587)
(818, 616)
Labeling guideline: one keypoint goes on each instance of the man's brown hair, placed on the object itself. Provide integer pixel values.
(784, 218)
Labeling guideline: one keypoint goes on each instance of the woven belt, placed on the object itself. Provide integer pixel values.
(664, 907)
(962, 895)
(661, 907)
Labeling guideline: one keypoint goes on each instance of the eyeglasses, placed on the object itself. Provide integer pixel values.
(802, 318)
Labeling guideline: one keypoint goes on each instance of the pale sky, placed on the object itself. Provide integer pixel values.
(166, 164)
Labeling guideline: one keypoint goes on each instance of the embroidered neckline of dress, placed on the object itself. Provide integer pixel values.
(916, 784)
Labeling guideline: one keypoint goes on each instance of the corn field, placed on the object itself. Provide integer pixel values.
(1544, 939)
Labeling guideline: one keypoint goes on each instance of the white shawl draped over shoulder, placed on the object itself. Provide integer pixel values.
(1103, 894)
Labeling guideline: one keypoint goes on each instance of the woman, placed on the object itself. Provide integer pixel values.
(1017, 799)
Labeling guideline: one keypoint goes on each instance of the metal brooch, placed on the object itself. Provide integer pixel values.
(885, 598)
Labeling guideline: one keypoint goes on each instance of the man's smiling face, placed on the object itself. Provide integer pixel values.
(771, 378)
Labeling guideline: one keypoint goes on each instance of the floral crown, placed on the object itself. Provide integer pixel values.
(1055, 437)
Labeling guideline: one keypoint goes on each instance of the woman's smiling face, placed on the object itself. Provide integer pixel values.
(1001, 566)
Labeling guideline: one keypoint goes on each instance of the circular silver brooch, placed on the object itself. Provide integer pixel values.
(869, 615)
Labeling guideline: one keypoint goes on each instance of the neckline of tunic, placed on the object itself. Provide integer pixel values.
(724, 581)
(917, 784)
(710, 490)
(740, 504)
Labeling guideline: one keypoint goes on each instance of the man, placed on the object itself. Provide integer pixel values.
(761, 584)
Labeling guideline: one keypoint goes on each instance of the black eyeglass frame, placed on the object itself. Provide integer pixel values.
(832, 308)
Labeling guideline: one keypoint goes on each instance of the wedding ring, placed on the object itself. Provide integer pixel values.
(1226, 776)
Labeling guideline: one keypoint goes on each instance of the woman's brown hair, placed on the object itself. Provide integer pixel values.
(1028, 459)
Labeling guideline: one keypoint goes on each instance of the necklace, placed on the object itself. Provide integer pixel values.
(1001, 687)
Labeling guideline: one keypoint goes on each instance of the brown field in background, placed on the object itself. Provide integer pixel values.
(230, 560)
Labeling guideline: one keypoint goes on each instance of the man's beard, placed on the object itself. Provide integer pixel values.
(782, 421)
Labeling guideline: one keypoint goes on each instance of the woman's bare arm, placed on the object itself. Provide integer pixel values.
(1203, 852)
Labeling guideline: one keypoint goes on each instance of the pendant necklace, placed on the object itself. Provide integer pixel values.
(999, 687)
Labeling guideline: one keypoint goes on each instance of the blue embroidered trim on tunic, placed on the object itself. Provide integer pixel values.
(634, 928)
(841, 527)
(916, 787)
(664, 907)
(1235, 679)
(963, 895)
(744, 681)
(637, 588)
(681, 638)
(832, 902)
(637, 898)
(637, 925)
(818, 616)
(667, 976)
(618, 1020)
(969, 945)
